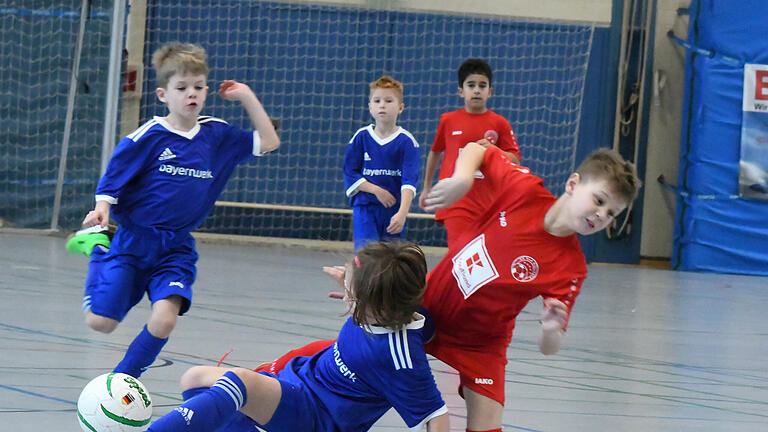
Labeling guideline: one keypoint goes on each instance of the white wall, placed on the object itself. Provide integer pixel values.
(665, 121)
(593, 11)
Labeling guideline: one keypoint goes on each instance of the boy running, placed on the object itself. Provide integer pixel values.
(160, 184)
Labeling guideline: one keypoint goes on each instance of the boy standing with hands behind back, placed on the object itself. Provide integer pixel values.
(473, 123)
(160, 184)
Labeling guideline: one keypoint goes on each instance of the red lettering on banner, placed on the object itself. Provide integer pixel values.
(761, 85)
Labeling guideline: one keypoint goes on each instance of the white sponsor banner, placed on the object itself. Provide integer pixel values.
(753, 166)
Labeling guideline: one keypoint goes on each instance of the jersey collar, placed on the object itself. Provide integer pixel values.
(416, 323)
(186, 134)
(383, 141)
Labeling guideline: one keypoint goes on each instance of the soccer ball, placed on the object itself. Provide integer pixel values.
(114, 402)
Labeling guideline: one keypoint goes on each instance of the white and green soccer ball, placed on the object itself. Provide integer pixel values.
(114, 402)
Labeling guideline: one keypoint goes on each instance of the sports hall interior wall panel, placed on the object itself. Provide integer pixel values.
(715, 229)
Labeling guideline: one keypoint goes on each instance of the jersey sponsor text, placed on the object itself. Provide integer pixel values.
(340, 363)
(386, 172)
(184, 171)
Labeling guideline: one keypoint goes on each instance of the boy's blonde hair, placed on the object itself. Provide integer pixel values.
(387, 82)
(606, 164)
(177, 57)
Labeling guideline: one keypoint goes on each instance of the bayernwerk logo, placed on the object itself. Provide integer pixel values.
(525, 268)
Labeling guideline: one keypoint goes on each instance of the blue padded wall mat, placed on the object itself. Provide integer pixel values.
(715, 229)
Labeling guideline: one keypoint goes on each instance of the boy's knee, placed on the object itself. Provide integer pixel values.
(161, 324)
(193, 378)
(100, 323)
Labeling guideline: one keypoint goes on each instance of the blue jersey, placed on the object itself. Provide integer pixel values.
(167, 179)
(366, 372)
(392, 163)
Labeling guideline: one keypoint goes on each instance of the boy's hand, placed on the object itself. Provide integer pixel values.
(423, 198)
(484, 142)
(385, 198)
(446, 192)
(553, 315)
(234, 91)
(336, 273)
(98, 216)
(397, 223)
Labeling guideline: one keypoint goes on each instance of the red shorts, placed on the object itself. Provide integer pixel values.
(305, 351)
(480, 371)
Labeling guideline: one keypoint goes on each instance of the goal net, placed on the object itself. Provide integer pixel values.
(37, 47)
(310, 64)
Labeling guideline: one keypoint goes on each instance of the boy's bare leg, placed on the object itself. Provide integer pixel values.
(163, 318)
(483, 413)
(100, 323)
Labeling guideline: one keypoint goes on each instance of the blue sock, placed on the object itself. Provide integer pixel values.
(238, 422)
(190, 393)
(206, 411)
(141, 354)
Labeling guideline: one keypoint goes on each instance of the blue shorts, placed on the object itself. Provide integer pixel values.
(160, 263)
(371, 222)
(297, 411)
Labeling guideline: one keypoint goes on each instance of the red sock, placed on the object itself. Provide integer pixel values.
(306, 351)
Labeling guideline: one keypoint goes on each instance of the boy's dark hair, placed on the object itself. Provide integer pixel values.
(606, 164)
(177, 57)
(474, 66)
(388, 283)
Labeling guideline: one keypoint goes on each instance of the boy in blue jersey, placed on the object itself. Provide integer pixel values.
(381, 168)
(377, 363)
(160, 184)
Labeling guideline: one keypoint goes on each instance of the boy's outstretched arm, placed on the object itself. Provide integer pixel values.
(449, 190)
(429, 173)
(235, 91)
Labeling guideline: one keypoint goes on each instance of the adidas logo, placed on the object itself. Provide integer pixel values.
(166, 154)
(186, 413)
(366, 157)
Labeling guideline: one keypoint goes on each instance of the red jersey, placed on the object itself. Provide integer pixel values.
(504, 260)
(455, 130)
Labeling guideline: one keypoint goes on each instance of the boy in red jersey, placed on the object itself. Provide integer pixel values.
(522, 245)
(474, 122)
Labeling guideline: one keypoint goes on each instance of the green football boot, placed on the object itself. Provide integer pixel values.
(83, 241)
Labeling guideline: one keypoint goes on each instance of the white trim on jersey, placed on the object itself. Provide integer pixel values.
(419, 427)
(186, 134)
(206, 119)
(415, 142)
(407, 186)
(107, 198)
(398, 348)
(257, 144)
(353, 189)
(386, 140)
(138, 133)
(416, 323)
(357, 132)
